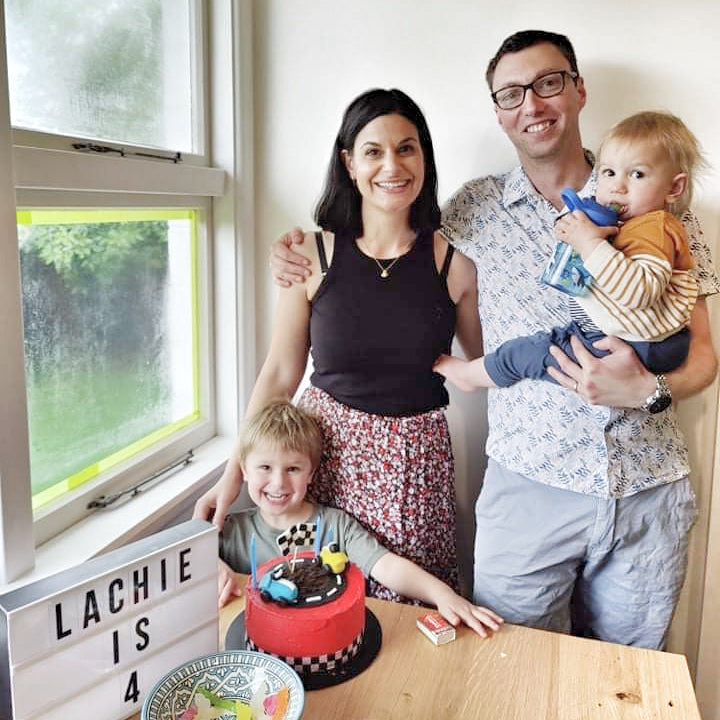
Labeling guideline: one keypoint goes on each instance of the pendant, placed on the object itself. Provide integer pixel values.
(384, 274)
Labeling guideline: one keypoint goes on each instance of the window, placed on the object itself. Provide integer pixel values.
(111, 339)
(108, 71)
(128, 251)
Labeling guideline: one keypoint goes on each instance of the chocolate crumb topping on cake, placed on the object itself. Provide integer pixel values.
(316, 584)
(310, 579)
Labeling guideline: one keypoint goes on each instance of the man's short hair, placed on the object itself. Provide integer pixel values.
(528, 38)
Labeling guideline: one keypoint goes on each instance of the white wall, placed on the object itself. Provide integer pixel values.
(313, 56)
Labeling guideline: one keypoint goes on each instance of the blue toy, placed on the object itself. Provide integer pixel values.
(274, 587)
(566, 271)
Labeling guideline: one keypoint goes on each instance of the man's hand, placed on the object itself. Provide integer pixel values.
(619, 379)
(286, 265)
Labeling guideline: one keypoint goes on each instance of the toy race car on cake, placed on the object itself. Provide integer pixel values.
(332, 559)
(274, 587)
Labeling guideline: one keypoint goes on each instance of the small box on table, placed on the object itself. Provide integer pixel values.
(436, 627)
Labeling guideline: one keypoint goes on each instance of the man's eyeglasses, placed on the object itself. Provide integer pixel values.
(546, 86)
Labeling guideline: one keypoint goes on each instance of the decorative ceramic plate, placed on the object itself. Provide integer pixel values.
(232, 674)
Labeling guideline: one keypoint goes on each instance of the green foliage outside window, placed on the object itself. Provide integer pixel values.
(102, 339)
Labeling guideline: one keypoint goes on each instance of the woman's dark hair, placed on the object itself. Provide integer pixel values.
(528, 38)
(339, 207)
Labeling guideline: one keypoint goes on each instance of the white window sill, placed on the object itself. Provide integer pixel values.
(167, 503)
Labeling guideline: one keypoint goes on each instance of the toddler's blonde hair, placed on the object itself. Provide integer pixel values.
(672, 136)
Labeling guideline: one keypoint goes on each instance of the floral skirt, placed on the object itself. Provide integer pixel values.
(395, 475)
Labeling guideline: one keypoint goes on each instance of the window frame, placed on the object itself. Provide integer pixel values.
(71, 508)
(48, 175)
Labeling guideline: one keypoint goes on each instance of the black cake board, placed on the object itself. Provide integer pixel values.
(372, 640)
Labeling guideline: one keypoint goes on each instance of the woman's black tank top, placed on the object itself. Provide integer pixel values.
(373, 339)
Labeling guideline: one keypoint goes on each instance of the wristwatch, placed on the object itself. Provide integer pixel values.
(661, 399)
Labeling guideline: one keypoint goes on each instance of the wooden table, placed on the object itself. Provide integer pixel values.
(518, 674)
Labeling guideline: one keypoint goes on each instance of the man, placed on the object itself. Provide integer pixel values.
(583, 519)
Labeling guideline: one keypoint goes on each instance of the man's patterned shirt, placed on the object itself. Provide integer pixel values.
(537, 428)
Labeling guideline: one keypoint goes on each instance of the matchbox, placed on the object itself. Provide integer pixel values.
(436, 628)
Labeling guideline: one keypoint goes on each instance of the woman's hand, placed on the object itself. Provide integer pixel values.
(214, 504)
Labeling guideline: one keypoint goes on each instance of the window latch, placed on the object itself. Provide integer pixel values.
(105, 501)
(175, 157)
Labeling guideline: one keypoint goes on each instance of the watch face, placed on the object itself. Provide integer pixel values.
(659, 404)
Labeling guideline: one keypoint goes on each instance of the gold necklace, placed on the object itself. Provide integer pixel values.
(385, 269)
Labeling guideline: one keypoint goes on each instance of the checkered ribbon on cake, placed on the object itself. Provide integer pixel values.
(314, 664)
(302, 535)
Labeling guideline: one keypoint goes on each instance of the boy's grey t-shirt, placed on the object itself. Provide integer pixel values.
(361, 547)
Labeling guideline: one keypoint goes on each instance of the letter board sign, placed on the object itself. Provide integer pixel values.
(91, 641)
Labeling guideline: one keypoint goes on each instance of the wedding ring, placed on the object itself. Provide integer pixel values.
(575, 388)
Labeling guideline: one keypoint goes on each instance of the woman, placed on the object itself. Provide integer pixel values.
(385, 296)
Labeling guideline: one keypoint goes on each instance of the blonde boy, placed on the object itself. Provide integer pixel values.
(279, 450)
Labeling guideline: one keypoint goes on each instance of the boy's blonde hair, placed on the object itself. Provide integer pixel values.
(672, 136)
(285, 426)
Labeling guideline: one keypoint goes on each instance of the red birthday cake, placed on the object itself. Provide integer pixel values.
(312, 616)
